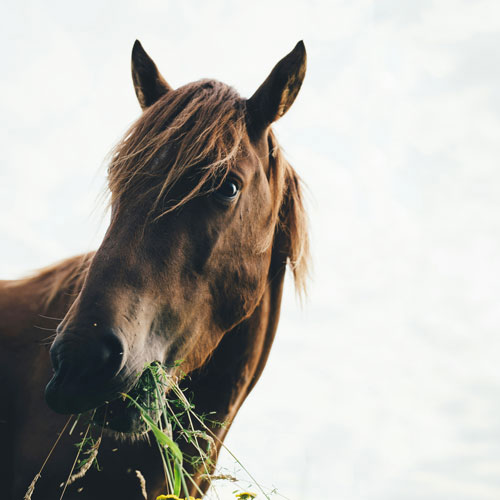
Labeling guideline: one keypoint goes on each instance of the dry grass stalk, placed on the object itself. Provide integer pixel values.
(31, 488)
(92, 453)
(27, 495)
(223, 477)
(142, 482)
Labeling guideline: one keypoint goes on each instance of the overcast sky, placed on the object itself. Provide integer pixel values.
(385, 385)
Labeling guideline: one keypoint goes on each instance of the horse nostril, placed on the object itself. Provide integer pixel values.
(86, 363)
(55, 362)
(111, 355)
(54, 356)
(88, 356)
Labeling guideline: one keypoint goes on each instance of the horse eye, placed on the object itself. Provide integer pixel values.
(227, 191)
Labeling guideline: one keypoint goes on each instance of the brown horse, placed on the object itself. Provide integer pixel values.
(205, 215)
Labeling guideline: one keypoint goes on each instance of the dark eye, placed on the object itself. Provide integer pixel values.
(227, 191)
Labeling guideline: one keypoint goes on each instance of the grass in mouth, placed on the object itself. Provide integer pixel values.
(170, 417)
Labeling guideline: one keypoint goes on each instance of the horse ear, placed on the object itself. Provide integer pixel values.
(148, 83)
(275, 96)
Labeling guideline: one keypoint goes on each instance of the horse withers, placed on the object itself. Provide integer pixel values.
(205, 215)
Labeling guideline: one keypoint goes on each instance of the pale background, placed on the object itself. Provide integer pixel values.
(386, 383)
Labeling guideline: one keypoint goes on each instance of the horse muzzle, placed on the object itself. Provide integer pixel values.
(87, 368)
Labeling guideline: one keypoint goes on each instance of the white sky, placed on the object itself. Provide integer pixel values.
(386, 384)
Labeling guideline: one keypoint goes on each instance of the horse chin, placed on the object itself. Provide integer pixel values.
(120, 416)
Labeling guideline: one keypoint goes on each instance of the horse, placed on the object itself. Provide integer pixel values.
(205, 216)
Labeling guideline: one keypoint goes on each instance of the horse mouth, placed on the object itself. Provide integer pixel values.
(121, 412)
(120, 417)
(125, 414)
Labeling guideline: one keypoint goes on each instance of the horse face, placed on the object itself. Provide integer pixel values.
(171, 278)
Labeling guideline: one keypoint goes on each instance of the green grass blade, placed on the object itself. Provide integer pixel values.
(160, 436)
(177, 478)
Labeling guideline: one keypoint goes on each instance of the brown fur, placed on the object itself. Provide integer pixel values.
(177, 276)
(203, 120)
(65, 277)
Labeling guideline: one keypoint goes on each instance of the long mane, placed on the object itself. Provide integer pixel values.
(192, 133)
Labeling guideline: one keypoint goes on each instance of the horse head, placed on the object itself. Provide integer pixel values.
(203, 208)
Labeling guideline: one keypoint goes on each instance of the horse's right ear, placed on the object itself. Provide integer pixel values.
(275, 96)
(148, 83)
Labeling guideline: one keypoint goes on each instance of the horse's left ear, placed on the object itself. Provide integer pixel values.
(275, 96)
(148, 83)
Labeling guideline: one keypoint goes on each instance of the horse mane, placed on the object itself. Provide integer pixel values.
(200, 128)
(192, 133)
(64, 277)
(292, 217)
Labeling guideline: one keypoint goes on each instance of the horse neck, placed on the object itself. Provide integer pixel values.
(224, 382)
